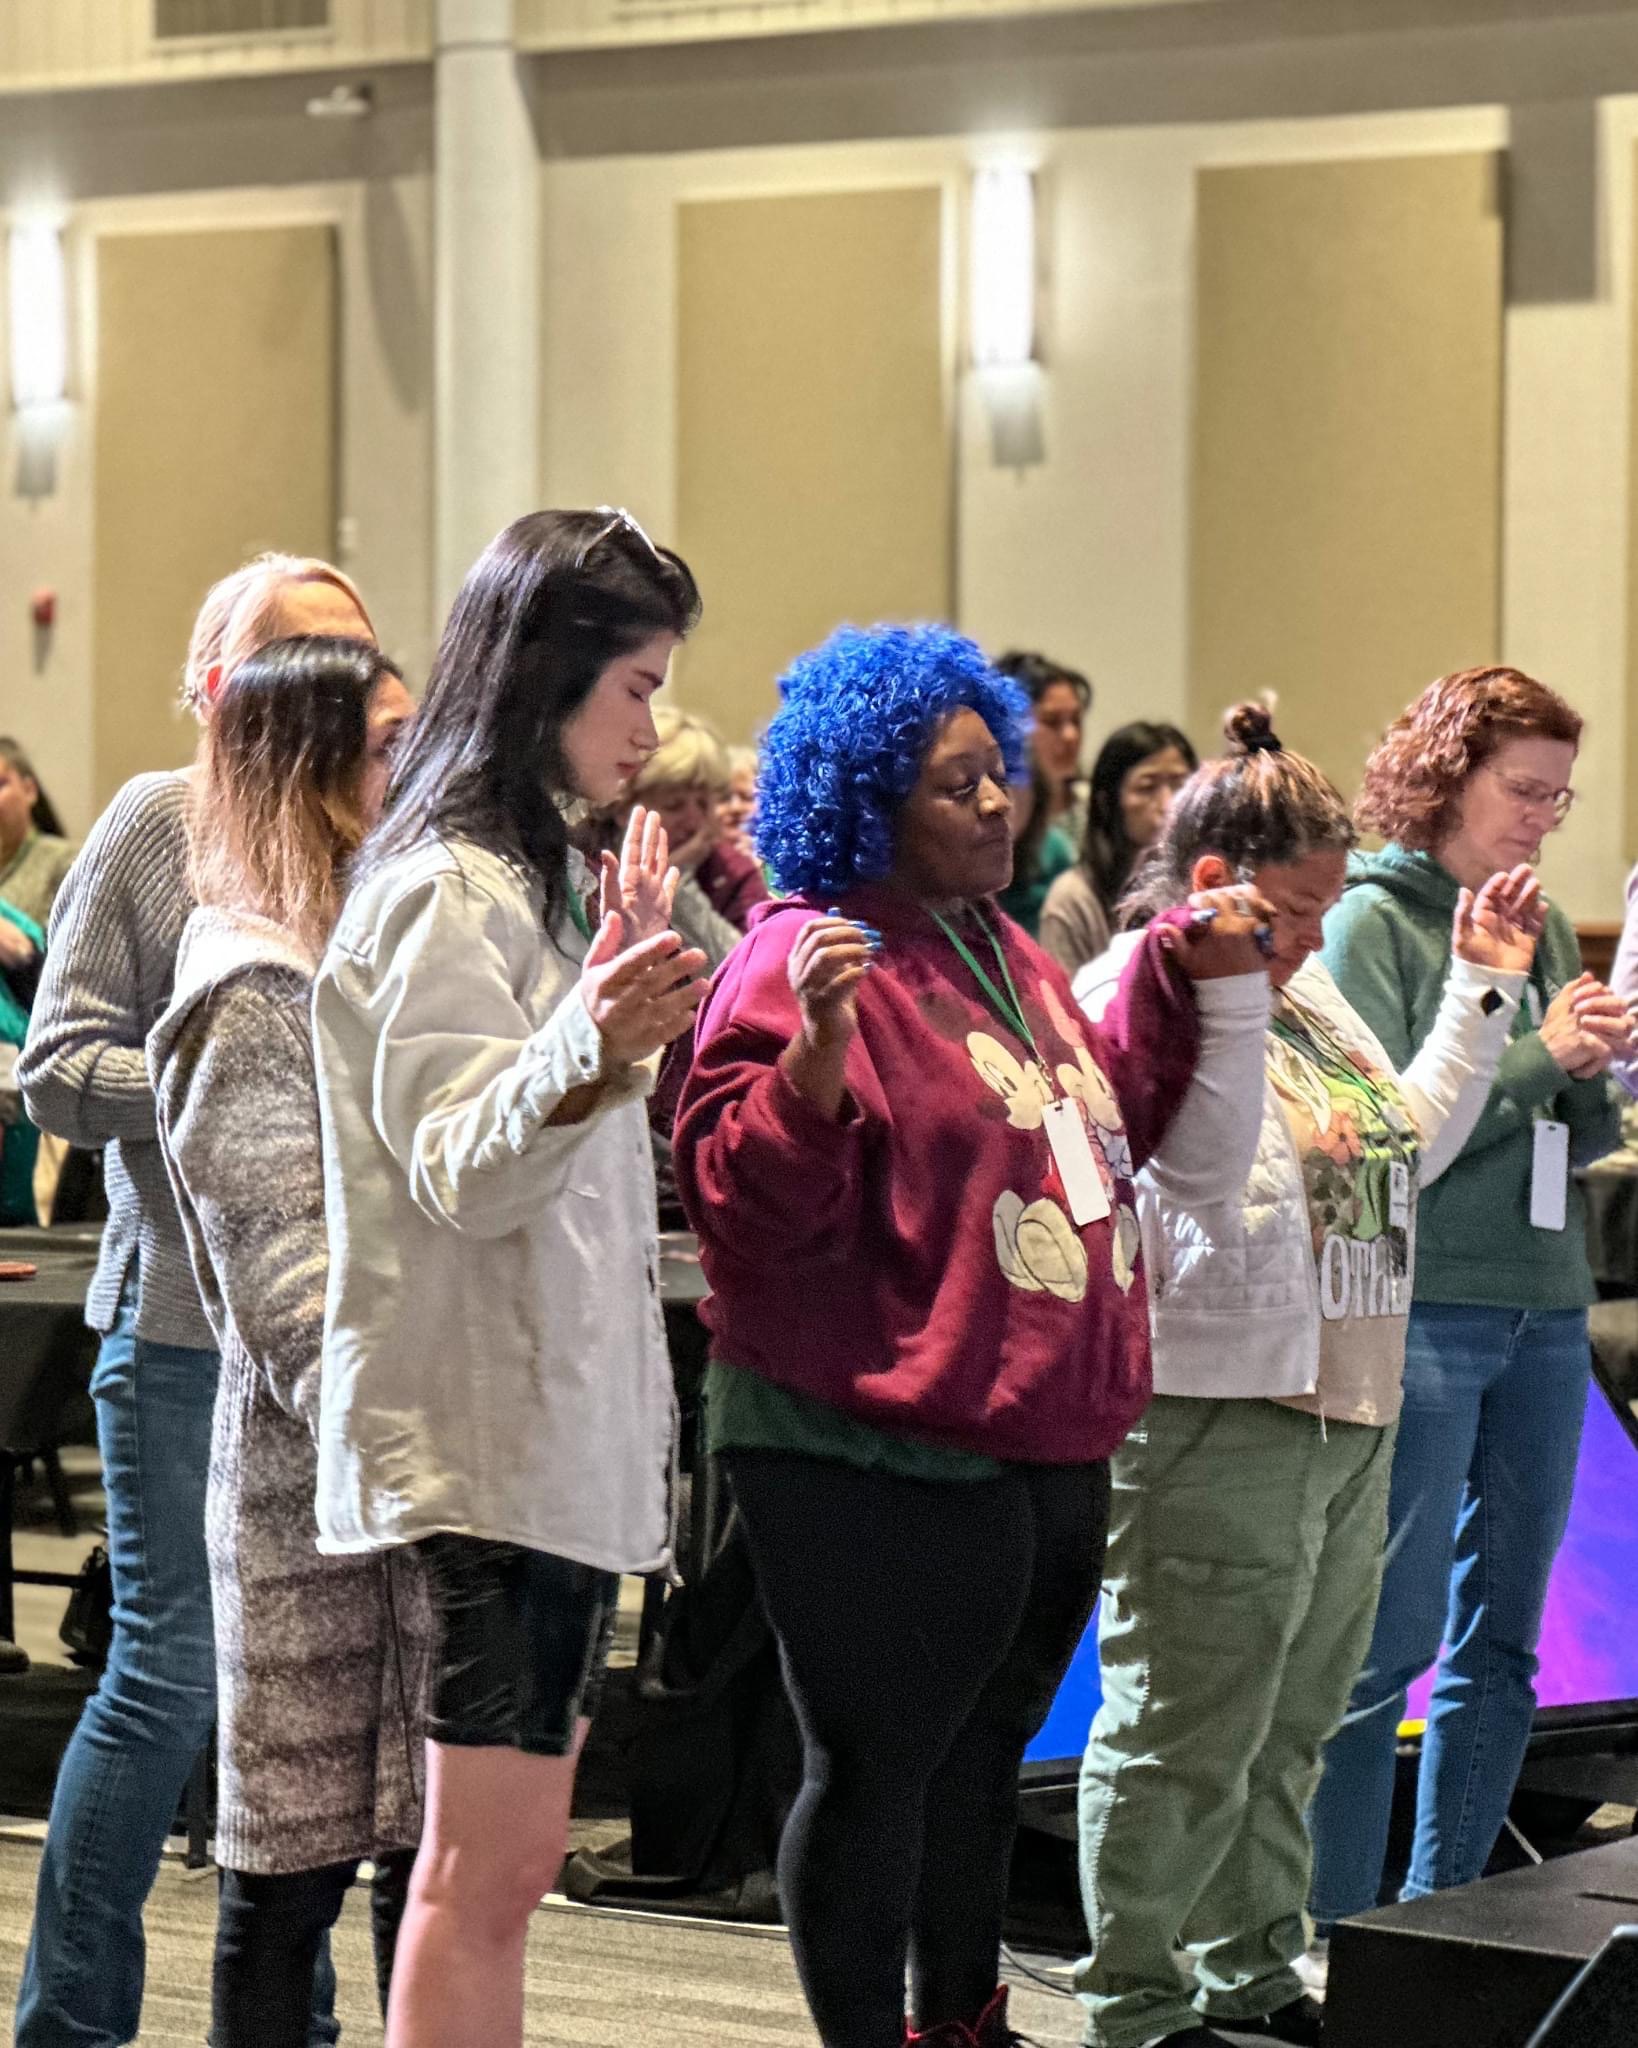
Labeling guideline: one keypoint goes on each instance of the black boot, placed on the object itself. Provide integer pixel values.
(1190, 2037)
(1301, 2022)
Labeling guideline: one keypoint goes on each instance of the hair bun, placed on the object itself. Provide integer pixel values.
(1249, 729)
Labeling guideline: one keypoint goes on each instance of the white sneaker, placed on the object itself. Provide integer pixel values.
(1313, 1969)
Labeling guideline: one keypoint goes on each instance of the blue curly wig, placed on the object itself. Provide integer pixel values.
(844, 751)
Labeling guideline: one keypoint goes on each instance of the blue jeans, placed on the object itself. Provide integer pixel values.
(1482, 1478)
(125, 1769)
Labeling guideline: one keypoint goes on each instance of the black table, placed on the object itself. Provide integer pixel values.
(1611, 1191)
(46, 1356)
(47, 1353)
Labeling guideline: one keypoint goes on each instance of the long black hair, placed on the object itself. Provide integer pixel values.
(1107, 853)
(45, 815)
(549, 604)
(1038, 672)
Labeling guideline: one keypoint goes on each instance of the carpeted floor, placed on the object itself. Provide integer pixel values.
(595, 1980)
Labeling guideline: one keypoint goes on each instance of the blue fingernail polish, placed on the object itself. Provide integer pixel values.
(869, 930)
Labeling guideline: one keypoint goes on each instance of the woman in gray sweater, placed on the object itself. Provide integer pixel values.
(107, 977)
(320, 1661)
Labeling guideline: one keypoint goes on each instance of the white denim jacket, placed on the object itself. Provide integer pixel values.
(494, 1352)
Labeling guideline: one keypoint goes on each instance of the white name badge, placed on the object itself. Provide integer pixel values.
(1550, 1175)
(1398, 1195)
(1077, 1169)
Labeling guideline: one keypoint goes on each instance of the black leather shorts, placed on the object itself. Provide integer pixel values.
(526, 1636)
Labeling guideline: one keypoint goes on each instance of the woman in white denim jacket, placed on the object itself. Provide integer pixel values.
(495, 1383)
(1250, 1504)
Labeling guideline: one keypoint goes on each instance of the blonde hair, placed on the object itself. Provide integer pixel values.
(743, 757)
(689, 756)
(242, 613)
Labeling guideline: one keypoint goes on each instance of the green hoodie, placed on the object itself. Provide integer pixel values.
(1387, 943)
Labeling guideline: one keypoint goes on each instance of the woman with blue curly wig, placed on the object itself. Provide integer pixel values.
(910, 1159)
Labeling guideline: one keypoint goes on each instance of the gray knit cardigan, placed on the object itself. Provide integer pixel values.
(321, 1662)
(110, 954)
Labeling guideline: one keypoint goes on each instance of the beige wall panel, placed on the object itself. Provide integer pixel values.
(1345, 513)
(814, 455)
(215, 437)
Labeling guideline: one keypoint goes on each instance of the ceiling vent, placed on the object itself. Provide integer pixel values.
(177, 21)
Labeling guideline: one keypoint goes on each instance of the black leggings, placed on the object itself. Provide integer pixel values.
(924, 1628)
(268, 1931)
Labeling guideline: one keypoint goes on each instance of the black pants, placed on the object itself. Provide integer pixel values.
(924, 1629)
(268, 1931)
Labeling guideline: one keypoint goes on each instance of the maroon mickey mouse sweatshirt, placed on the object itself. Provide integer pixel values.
(915, 1264)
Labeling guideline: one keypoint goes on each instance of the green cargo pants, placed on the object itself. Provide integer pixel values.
(1245, 1558)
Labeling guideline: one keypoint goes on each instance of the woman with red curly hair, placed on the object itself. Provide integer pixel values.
(1471, 779)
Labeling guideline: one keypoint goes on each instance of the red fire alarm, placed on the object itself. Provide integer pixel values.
(43, 608)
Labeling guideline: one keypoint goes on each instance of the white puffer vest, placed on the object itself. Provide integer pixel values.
(1233, 1283)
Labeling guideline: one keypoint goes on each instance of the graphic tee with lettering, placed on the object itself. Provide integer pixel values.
(1358, 1147)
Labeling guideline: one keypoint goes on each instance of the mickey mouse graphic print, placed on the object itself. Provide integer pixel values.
(954, 1257)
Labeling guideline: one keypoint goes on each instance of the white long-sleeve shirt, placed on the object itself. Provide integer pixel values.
(494, 1352)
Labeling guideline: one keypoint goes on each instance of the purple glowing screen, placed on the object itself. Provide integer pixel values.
(1589, 1646)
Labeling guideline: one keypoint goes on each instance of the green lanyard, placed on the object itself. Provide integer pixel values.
(1007, 1007)
(1301, 1028)
(577, 910)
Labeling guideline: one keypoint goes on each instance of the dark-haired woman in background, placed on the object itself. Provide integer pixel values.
(1474, 775)
(319, 1660)
(34, 852)
(1139, 769)
(1249, 1504)
(496, 1387)
(909, 1163)
(1041, 851)
(1060, 699)
(34, 857)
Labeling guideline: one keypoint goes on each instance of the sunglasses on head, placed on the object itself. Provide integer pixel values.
(616, 519)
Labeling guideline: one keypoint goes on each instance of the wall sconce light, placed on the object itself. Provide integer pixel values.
(38, 316)
(1003, 268)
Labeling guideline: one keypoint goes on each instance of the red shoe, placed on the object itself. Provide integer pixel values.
(989, 2030)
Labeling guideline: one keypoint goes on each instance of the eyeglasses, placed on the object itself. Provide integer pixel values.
(1536, 796)
(616, 519)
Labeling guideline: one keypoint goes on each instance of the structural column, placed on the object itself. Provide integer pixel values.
(486, 286)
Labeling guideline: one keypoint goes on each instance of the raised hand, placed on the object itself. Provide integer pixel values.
(1497, 929)
(1233, 932)
(640, 997)
(16, 947)
(827, 963)
(640, 885)
(829, 960)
